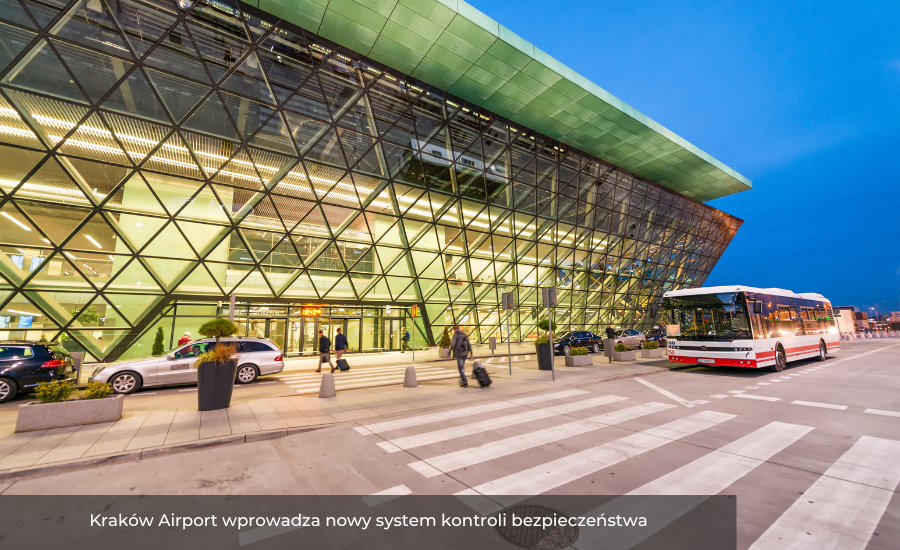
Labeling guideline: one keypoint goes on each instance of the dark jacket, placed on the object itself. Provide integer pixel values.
(340, 342)
(459, 345)
(324, 344)
(610, 332)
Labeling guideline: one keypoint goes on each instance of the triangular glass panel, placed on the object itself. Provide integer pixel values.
(307, 247)
(100, 179)
(133, 307)
(211, 118)
(211, 152)
(275, 135)
(323, 177)
(400, 268)
(337, 94)
(284, 254)
(16, 165)
(439, 292)
(291, 210)
(313, 223)
(361, 281)
(219, 51)
(51, 182)
(174, 158)
(248, 80)
(44, 13)
(17, 132)
(353, 253)
(54, 222)
(260, 243)
(93, 139)
(88, 24)
(248, 115)
(372, 162)
(357, 230)
(14, 39)
(203, 206)
(134, 278)
(43, 72)
(304, 129)
(378, 291)
(356, 118)
(137, 230)
(309, 100)
(369, 190)
(201, 236)
(301, 287)
(13, 11)
(178, 95)
(96, 235)
(387, 254)
(169, 243)
(168, 271)
(138, 136)
(295, 183)
(134, 96)
(136, 196)
(239, 171)
(143, 25)
(328, 150)
(269, 164)
(343, 193)
(284, 73)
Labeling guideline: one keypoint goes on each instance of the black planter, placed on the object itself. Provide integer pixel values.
(544, 356)
(215, 383)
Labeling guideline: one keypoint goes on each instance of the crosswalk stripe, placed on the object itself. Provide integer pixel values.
(351, 385)
(358, 378)
(420, 420)
(553, 474)
(695, 482)
(504, 447)
(820, 405)
(716, 471)
(844, 506)
(445, 434)
(882, 413)
(757, 397)
(667, 393)
(363, 371)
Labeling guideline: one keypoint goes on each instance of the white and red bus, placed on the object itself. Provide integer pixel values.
(739, 326)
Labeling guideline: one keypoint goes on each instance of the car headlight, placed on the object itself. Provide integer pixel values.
(97, 370)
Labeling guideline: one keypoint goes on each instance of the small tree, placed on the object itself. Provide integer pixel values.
(158, 348)
(217, 328)
(444, 340)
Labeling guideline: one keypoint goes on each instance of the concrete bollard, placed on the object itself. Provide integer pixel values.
(326, 390)
(409, 379)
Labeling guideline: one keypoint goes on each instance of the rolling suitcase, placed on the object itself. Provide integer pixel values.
(481, 375)
(343, 365)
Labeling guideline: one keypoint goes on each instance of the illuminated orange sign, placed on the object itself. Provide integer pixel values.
(311, 311)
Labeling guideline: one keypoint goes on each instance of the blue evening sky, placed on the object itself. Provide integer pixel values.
(801, 97)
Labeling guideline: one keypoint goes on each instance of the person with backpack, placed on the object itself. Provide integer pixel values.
(340, 344)
(404, 340)
(324, 351)
(461, 349)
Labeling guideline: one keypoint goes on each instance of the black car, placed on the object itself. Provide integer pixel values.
(565, 341)
(24, 365)
(658, 335)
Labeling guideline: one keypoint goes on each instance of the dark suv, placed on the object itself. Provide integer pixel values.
(565, 341)
(24, 365)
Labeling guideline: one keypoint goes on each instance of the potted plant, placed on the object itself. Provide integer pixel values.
(651, 350)
(543, 347)
(624, 353)
(579, 357)
(443, 345)
(216, 369)
(55, 410)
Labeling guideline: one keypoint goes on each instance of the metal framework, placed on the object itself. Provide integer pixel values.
(152, 151)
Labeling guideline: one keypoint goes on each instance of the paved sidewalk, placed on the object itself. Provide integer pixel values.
(143, 432)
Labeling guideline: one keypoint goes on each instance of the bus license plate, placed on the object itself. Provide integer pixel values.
(704, 360)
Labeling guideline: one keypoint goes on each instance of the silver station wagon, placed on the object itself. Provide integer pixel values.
(255, 357)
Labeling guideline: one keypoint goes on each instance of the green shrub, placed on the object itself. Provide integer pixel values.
(217, 328)
(97, 390)
(544, 324)
(158, 348)
(542, 339)
(444, 340)
(217, 354)
(650, 345)
(578, 351)
(622, 347)
(54, 392)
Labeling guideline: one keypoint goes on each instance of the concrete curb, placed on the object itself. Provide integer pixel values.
(30, 472)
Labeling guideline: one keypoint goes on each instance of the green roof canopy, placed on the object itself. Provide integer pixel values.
(454, 47)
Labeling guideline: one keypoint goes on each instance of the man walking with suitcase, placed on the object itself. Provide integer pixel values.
(324, 351)
(460, 348)
(340, 344)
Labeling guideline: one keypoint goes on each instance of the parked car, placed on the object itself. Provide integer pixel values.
(658, 335)
(565, 341)
(256, 357)
(24, 365)
(631, 338)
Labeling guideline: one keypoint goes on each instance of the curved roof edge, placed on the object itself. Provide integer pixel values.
(453, 46)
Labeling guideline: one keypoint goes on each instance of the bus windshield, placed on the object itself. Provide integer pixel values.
(712, 317)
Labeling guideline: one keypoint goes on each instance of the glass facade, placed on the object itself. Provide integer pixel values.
(157, 154)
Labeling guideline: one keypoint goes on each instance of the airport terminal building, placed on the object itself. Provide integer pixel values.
(330, 164)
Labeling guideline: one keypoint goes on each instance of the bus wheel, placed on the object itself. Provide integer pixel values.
(780, 360)
(823, 351)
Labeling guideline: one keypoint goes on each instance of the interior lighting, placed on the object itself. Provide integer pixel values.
(28, 313)
(94, 242)
(15, 221)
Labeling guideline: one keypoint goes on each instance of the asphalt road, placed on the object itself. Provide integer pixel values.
(813, 453)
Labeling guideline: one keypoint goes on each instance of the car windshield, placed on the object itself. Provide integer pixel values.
(721, 322)
(563, 335)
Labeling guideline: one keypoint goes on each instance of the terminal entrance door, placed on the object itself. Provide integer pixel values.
(273, 329)
(391, 334)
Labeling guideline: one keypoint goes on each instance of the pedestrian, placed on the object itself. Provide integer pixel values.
(404, 340)
(324, 351)
(184, 339)
(340, 344)
(461, 349)
(610, 332)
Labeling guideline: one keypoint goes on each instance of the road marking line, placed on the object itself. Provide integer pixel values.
(191, 389)
(763, 383)
(376, 370)
(387, 495)
(448, 462)
(372, 378)
(351, 385)
(719, 396)
(700, 402)
(420, 420)
(264, 383)
(844, 506)
(882, 413)
(735, 391)
(820, 405)
(553, 474)
(445, 434)
(356, 375)
(667, 393)
(775, 381)
(694, 482)
(362, 430)
(142, 394)
(758, 397)
(751, 387)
